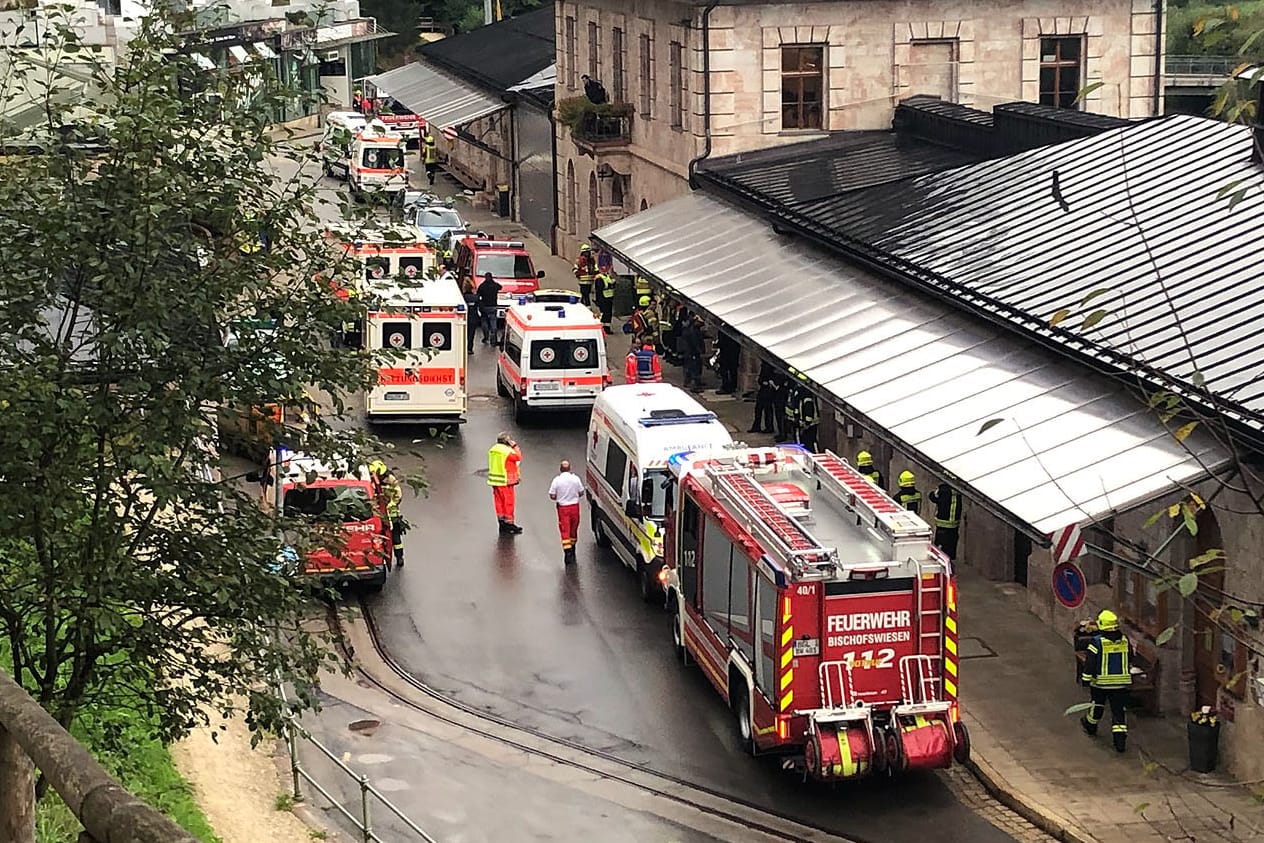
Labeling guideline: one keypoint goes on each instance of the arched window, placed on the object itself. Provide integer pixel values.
(572, 199)
(644, 205)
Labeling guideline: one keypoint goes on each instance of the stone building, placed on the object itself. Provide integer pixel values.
(697, 80)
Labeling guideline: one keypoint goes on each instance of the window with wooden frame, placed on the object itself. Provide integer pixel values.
(619, 68)
(569, 56)
(1141, 602)
(646, 76)
(594, 50)
(1231, 671)
(802, 87)
(676, 61)
(1061, 71)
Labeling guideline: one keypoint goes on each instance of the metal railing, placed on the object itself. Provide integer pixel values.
(1200, 65)
(363, 818)
(604, 128)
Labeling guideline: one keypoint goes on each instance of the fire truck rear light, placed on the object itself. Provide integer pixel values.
(955, 712)
(783, 727)
(662, 576)
(952, 592)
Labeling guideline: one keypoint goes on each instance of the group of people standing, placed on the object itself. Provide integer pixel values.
(504, 474)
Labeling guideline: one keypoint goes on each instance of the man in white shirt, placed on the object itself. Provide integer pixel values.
(567, 490)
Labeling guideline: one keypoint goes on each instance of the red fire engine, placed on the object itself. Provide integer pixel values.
(819, 608)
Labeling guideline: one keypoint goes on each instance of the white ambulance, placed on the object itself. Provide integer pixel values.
(634, 431)
(387, 257)
(417, 331)
(367, 155)
(553, 356)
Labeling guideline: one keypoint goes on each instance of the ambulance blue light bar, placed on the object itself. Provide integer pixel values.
(683, 418)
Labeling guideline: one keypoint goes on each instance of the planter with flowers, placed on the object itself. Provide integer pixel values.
(1204, 739)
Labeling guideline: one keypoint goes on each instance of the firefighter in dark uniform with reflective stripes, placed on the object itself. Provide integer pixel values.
(790, 408)
(907, 495)
(864, 462)
(1108, 673)
(807, 417)
(947, 501)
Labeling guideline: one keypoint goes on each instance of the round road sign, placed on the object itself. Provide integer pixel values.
(1068, 584)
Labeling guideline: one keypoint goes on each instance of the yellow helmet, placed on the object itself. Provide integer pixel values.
(864, 459)
(377, 467)
(907, 478)
(585, 248)
(1107, 620)
(644, 301)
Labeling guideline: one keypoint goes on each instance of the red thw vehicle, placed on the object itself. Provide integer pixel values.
(819, 608)
(313, 489)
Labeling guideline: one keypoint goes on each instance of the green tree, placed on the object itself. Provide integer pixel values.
(136, 569)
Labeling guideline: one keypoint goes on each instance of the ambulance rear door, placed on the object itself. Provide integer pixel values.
(425, 378)
(567, 365)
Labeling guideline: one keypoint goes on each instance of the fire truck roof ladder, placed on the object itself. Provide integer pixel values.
(790, 542)
(866, 499)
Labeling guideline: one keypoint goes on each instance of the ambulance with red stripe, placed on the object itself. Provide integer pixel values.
(384, 257)
(417, 330)
(376, 162)
(553, 357)
(818, 608)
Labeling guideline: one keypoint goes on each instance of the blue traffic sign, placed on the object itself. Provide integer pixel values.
(1068, 584)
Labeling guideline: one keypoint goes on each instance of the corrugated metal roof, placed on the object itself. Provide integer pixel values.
(501, 54)
(1133, 212)
(443, 100)
(810, 171)
(1073, 446)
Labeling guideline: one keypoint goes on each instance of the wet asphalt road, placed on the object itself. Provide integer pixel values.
(500, 623)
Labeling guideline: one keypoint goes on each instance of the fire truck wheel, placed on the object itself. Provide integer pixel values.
(739, 701)
(961, 747)
(894, 752)
(599, 529)
(678, 634)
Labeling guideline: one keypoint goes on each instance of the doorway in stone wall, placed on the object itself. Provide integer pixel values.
(1209, 669)
(1022, 551)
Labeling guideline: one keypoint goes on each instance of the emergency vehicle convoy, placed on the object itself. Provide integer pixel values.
(818, 608)
(419, 331)
(553, 356)
(321, 491)
(632, 432)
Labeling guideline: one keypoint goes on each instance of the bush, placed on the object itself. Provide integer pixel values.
(574, 111)
(1224, 40)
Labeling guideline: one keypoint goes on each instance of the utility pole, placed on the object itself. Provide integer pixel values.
(487, 12)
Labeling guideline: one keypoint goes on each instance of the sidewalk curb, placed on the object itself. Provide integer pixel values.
(1020, 804)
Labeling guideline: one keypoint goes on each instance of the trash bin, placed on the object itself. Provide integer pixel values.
(1204, 746)
(502, 200)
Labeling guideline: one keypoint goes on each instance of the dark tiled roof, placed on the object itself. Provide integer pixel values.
(1130, 221)
(500, 55)
(809, 172)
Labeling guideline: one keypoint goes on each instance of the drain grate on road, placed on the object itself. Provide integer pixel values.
(974, 648)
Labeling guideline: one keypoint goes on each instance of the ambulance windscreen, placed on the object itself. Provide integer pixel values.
(382, 159)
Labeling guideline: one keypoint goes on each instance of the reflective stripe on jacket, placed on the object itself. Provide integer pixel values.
(643, 367)
(947, 502)
(607, 285)
(431, 151)
(910, 498)
(1108, 664)
(498, 465)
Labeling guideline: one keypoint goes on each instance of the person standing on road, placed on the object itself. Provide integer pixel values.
(391, 495)
(567, 490)
(473, 315)
(1108, 673)
(604, 288)
(765, 421)
(692, 349)
(488, 293)
(503, 476)
(585, 272)
(430, 155)
(642, 365)
(908, 495)
(730, 358)
(947, 501)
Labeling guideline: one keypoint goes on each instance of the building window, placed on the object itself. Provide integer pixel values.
(1141, 602)
(1060, 74)
(570, 53)
(618, 72)
(594, 50)
(802, 87)
(677, 101)
(932, 69)
(647, 76)
(572, 198)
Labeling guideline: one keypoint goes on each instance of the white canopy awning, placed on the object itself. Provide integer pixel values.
(1070, 446)
(545, 78)
(443, 101)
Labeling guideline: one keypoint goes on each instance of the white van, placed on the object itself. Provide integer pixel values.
(341, 127)
(553, 356)
(634, 430)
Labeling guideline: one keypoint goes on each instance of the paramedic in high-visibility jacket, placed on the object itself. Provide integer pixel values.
(643, 366)
(503, 476)
(1108, 673)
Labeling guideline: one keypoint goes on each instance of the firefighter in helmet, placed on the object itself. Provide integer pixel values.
(391, 495)
(908, 495)
(1108, 673)
(585, 273)
(430, 155)
(864, 462)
